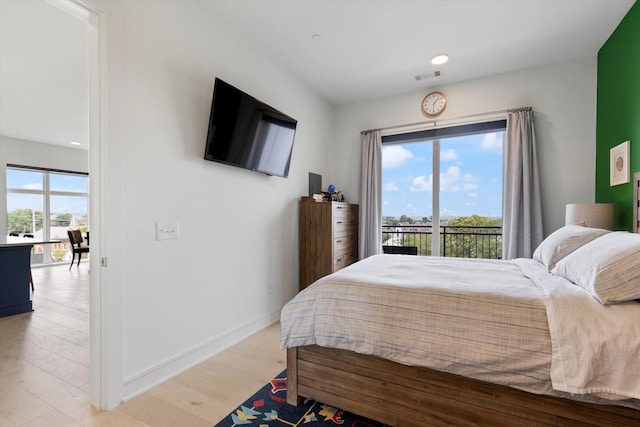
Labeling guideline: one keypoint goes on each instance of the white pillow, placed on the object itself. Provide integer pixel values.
(563, 241)
(608, 267)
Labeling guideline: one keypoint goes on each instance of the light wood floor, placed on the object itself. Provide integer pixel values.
(44, 367)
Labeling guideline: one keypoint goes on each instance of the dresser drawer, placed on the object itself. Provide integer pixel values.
(344, 210)
(341, 261)
(340, 210)
(344, 244)
(345, 251)
(344, 227)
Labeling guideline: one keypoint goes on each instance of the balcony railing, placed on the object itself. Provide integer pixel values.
(455, 241)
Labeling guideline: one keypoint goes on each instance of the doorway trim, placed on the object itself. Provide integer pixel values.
(105, 330)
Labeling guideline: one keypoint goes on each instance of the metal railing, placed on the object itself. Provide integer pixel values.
(455, 241)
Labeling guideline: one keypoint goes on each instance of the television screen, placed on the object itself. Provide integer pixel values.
(248, 133)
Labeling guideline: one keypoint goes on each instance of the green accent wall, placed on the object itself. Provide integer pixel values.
(618, 113)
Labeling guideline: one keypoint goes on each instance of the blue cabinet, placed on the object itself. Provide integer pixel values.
(15, 268)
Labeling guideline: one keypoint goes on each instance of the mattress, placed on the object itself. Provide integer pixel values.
(483, 319)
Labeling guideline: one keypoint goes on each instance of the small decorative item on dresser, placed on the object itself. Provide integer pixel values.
(337, 196)
(329, 194)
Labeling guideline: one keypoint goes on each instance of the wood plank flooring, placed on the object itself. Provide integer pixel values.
(44, 367)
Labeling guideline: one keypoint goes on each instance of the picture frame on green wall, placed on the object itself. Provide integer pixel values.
(619, 166)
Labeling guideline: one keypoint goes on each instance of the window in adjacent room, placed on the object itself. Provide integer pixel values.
(44, 203)
(442, 190)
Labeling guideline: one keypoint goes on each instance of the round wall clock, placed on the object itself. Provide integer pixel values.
(434, 103)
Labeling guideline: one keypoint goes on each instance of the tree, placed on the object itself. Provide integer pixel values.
(473, 237)
(475, 220)
(21, 220)
(407, 219)
(62, 220)
(390, 221)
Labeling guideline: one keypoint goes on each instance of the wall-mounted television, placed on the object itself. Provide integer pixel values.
(247, 133)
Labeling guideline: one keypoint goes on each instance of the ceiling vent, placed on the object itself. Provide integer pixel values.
(425, 76)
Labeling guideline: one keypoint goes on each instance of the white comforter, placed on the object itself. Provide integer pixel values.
(499, 331)
(595, 348)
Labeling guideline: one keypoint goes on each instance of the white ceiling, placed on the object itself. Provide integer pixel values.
(366, 49)
(43, 73)
(370, 48)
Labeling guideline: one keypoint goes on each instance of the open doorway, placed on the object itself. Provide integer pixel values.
(46, 129)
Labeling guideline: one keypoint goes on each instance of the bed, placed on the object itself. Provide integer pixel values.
(406, 340)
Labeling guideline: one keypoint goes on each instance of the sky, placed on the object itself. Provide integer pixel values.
(62, 203)
(470, 177)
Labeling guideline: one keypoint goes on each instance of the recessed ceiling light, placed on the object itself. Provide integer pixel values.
(74, 143)
(440, 59)
(316, 36)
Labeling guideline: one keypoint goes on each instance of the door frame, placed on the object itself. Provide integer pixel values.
(105, 330)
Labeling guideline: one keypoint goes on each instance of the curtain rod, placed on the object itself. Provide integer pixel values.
(467, 116)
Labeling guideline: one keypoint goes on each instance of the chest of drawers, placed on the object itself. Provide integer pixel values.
(328, 238)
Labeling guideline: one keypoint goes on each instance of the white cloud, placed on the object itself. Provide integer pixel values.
(421, 183)
(454, 180)
(33, 186)
(469, 182)
(449, 154)
(394, 156)
(491, 141)
(449, 181)
(472, 194)
(390, 186)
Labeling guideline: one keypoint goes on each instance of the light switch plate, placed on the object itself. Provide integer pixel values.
(167, 230)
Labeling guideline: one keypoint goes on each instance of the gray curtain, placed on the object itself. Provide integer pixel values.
(522, 209)
(370, 231)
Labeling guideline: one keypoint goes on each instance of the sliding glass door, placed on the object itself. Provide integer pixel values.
(442, 190)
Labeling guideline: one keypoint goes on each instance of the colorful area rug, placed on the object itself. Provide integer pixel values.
(269, 408)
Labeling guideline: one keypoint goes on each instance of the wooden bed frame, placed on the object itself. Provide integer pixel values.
(401, 395)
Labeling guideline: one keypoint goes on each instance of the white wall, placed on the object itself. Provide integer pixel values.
(185, 299)
(179, 301)
(29, 153)
(562, 95)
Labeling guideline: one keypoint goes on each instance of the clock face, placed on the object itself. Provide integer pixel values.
(434, 103)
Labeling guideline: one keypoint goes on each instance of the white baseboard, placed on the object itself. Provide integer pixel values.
(161, 372)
